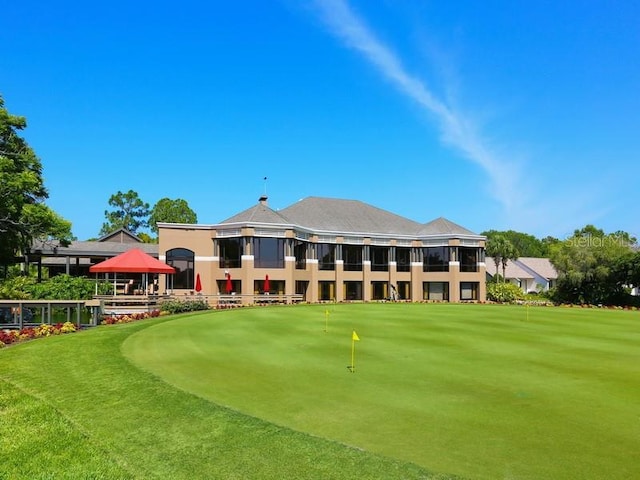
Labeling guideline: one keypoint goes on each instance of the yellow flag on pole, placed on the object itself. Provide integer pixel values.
(354, 339)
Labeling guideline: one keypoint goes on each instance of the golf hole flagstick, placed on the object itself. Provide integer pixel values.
(354, 339)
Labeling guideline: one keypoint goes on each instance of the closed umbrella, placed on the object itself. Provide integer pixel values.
(229, 284)
(198, 283)
(266, 284)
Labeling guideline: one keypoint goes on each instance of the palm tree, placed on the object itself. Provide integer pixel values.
(509, 253)
(495, 246)
(501, 250)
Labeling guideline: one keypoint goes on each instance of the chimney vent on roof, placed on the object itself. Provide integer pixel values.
(263, 200)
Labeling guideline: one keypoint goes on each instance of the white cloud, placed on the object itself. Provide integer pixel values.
(457, 130)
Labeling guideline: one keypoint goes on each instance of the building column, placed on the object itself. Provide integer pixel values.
(454, 281)
(339, 281)
(247, 273)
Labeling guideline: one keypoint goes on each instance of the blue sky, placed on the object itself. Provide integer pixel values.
(529, 109)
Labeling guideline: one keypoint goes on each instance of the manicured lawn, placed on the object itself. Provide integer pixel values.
(474, 390)
(72, 407)
(478, 391)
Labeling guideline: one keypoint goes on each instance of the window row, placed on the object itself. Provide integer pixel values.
(271, 252)
(183, 260)
(435, 291)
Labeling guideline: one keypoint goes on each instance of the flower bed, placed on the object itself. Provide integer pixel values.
(7, 337)
(128, 318)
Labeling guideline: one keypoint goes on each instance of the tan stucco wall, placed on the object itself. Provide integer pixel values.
(199, 239)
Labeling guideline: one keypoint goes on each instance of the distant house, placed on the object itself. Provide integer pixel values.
(531, 274)
(79, 256)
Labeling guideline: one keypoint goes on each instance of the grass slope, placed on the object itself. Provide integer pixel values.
(72, 407)
(481, 391)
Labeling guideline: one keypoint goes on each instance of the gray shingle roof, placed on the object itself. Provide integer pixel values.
(513, 270)
(344, 217)
(97, 249)
(542, 266)
(442, 225)
(336, 215)
(259, 213)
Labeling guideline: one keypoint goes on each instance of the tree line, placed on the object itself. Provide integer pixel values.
(593, 267)
(130, 212)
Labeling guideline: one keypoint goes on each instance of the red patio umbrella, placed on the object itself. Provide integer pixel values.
(229, 284)
(198, 284)
(266, 284)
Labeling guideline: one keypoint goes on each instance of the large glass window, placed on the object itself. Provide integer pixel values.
(276, 287)
(438, 291)
(353, 290)
(230, 252)
(380, 259)
(182, 260)
(352, 256)
(300, 252)
(301, 288)
(268, 252)
(403, 259)
(468, 259)
(326, 291)
(326, 256)
(404, 290)
(435, 259)
(469, 290)
(229, 287)
(380, 290)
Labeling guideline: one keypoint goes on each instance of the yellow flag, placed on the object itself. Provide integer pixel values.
(354, 336)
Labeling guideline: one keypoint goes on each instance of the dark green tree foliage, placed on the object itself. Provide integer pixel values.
(129, 212)
(628, 269)
(591, 267)
(23, 215)
(171, 211)
(525, 244)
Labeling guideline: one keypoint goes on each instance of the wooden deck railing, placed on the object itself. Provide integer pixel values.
(26, 313)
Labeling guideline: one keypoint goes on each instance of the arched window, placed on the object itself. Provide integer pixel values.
(182, 260)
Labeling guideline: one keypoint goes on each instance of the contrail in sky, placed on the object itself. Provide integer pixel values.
(456, 131)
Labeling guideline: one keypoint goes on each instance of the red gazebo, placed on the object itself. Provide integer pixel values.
(132, 261)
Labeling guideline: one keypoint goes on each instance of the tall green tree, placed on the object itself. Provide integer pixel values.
(128, 211)
(527, 245)
(591, 266)
(629, 269)
(24, 217)
(171, 211)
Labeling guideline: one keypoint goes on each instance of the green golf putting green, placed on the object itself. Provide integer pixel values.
(475, 390)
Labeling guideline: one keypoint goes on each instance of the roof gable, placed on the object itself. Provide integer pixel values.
(259, 213)
(540, 265)
(442, 225)
(121, 235)
(513, 270)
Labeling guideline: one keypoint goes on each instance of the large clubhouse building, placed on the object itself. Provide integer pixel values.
(323, 249)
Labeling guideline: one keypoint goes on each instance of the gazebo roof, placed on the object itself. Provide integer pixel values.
(132, 261)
